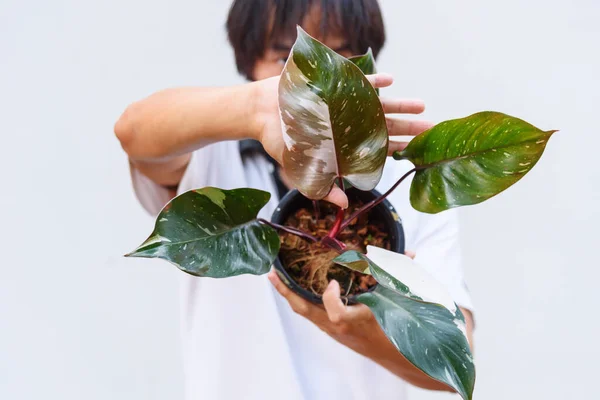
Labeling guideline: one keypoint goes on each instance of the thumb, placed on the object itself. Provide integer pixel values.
(337, 197)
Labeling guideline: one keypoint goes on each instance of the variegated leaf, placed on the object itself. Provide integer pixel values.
(418, 316)
(466, 161)
(333, 122)
(402, 274)
(213, 233)
(354, 260)
(427, 335)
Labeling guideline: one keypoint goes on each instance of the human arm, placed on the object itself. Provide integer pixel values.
(159, 132)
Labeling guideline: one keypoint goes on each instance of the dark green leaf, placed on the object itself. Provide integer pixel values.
(418, 316)
(334, 124)
(366, 63)
(428, 335)
(466, 161)
(214, 233)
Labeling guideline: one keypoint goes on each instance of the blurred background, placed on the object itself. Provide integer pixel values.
(79, 321)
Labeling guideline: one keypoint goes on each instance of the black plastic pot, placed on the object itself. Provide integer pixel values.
(384, 212)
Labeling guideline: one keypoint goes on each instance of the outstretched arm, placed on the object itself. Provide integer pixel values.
(159, 132)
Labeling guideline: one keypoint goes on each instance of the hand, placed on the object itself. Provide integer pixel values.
(268, 122)
(353, 326)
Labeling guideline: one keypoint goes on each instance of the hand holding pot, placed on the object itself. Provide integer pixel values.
(353, 326)
(356, 327)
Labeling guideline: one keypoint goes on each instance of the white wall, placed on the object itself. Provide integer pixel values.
(78, 321)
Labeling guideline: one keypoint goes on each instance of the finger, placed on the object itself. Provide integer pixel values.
(403, 106)
(410, 254)
(380, 80)
(298, 304)
(396, 146)
(337, 197)
(340, 313)
(398, 127)
(333, 302)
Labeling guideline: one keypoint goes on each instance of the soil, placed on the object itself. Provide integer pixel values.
(310, 264)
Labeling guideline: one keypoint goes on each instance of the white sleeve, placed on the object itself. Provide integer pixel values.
(433, 237)
(437, 247)
(153, 197)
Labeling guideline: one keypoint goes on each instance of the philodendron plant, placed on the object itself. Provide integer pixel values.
(335, 131)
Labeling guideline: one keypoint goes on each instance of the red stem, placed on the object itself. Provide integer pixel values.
(337, 226)
(291, 230)
(375, 202)
(339, 218)
(334, 243)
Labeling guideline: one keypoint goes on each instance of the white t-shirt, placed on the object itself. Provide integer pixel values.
(242, 341)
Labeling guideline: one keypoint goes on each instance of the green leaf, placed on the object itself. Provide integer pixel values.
(333, 122)
(357, 261)
(366, 63)
(214, 233)
(418, 316)
(354, 260)
(466, 161)
(428, 335)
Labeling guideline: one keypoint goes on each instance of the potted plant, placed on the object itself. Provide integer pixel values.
(335, 133)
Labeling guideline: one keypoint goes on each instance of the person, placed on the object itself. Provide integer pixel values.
(250, 337)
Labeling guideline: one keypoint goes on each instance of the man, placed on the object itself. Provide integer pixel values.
(241, 339)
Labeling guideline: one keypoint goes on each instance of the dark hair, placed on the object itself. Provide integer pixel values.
(249, 25)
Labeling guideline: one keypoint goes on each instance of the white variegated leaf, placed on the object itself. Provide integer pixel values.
(214, 233)
(333, 122)
(421, 285)
(418, 316)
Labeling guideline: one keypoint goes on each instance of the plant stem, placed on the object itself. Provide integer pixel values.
(337, 226)
(341, 183)
(349, 285)
(375, 202)
(291, 230)
(334, 244)
(339, 218)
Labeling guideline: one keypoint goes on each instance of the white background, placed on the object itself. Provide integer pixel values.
(77, 321)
